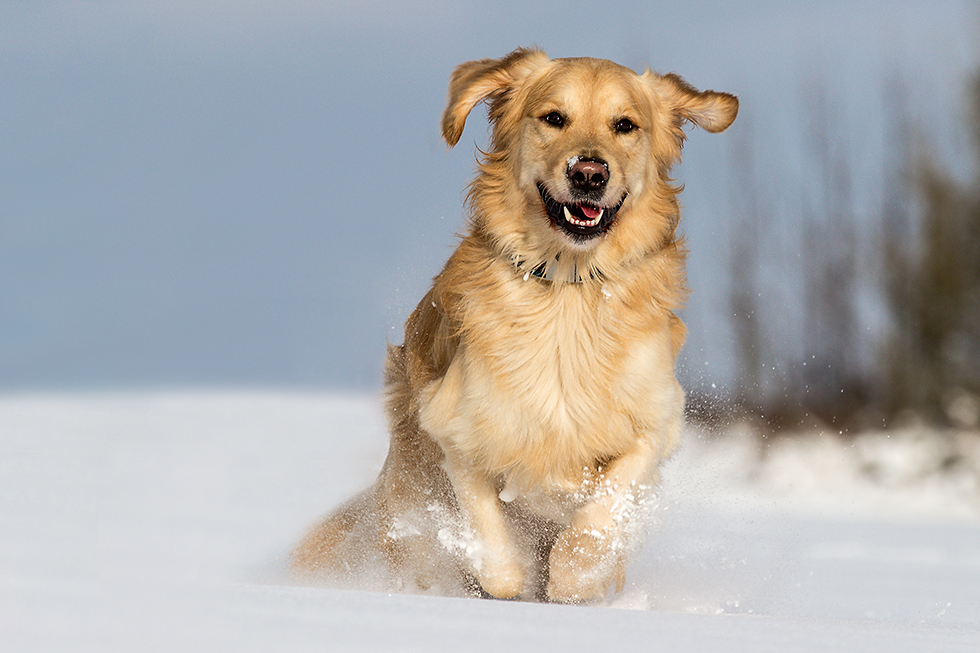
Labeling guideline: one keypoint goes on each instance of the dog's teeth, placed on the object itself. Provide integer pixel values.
(582, 223)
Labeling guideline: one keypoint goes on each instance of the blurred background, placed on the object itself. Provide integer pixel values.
(255, 193)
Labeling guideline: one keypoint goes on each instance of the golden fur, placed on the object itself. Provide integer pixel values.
(534, 396)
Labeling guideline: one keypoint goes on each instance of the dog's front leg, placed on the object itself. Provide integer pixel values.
(590, 555)
(494, 561)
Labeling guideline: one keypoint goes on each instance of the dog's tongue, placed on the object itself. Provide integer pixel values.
(590, 212)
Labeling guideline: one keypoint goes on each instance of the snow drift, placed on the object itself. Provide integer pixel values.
(151, 521)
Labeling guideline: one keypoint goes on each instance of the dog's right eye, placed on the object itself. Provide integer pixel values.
(554, 119)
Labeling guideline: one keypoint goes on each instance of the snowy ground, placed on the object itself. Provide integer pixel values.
(160, 521)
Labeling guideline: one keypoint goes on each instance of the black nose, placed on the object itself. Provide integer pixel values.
(588, 174)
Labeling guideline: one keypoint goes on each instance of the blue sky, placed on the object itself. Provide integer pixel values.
(256, 192)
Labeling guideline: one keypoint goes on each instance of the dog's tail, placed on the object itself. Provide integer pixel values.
(333, 547)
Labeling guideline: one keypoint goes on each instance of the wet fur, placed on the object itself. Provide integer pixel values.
(529, 415)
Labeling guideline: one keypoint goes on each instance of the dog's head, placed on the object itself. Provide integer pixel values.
(581, 150)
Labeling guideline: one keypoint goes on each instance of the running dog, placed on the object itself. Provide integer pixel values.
(534, 396)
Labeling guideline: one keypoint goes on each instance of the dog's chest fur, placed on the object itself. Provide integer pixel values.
(550, 380)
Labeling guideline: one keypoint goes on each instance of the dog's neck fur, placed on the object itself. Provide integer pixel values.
(552, 270)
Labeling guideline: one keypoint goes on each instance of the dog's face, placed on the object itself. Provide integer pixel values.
(584, 146)
(580, 147)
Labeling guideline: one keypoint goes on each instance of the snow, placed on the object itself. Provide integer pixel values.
(160, 521)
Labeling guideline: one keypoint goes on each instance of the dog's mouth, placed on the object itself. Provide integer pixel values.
(582, 221)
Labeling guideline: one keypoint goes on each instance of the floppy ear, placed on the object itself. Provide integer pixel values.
(709, 110)
(485, 79)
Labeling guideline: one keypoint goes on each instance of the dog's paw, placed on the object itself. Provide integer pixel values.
(501, 579)
(583, 564)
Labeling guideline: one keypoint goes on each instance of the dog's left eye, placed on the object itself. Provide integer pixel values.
(625, 125)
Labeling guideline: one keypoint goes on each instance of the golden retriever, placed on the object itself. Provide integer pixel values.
(534, 396)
